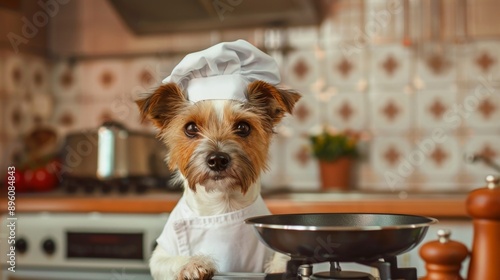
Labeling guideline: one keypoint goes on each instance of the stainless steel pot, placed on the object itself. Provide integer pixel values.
(113, 152)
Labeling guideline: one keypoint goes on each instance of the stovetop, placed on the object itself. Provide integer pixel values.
(299, 269)
(276, 276)
(273, 276)
(242, 275)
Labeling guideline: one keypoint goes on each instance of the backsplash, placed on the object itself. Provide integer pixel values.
(420, 109)
(421, 113)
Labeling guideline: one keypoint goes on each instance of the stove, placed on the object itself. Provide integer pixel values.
(75, 246)
(387, 269)
(302, 269)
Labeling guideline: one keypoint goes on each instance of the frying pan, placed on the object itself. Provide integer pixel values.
(341, 237)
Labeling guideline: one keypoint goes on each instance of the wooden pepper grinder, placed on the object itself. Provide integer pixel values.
(443, 257)
(483, 205)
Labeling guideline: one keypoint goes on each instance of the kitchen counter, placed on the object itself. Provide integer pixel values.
(436, 205)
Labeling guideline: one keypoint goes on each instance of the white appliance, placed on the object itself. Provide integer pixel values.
(52, 246)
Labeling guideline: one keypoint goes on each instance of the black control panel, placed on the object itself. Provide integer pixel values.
(105, 245)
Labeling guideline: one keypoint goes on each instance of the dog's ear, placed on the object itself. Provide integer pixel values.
(163, 105)
(275, 101)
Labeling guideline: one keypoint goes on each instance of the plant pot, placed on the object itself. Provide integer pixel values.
(336, 174)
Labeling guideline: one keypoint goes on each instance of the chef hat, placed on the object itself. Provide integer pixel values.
(223, 71)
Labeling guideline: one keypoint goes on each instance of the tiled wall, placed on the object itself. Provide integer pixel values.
(421, 112)
(24, 97)
(420, 109)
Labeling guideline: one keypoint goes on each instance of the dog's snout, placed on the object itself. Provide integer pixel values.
(218, 161)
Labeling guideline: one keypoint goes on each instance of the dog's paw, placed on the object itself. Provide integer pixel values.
(198, 268)
(277, 264)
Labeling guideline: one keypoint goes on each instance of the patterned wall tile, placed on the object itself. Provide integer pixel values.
(68, 117)
(390, 110)
(42, 107)
(389, 160)
(302, 171)
(390, 65)
(368, 178)
(38, 76)
(436, 67)
(347, 111)
(439, 160)
(98, 113)
(306, 115)
(15, 75)
(481, 108)
(432, 109)
(483, 59)
(18, 117)
(10, 147)
(345, 71)
(302, 69)
(103, 79)
(273, 177)
(65, 80)
(144, 73)
(127, 113)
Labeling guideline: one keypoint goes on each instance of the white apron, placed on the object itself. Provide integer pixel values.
(226, 238)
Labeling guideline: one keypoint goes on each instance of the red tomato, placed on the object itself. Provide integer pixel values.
(40, 179)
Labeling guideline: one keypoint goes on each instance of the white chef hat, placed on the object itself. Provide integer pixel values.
(223, 71)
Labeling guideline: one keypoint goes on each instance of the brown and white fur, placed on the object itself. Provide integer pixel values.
(241, 132)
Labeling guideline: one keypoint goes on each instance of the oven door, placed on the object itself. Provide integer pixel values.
(66, 274)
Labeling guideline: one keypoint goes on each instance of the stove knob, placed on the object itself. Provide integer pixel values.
(141, 188)
(89, 188)
(21, 245)
(49, 246)
(124, 185)
(69, 188)
(123, 188)
(305, 271)
(106, 188)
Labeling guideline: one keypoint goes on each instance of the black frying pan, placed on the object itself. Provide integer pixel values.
(342, 237)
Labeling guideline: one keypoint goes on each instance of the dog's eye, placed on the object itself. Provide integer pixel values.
(242, 129)
(191, 130)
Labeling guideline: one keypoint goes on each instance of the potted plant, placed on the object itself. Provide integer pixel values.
(335, 152)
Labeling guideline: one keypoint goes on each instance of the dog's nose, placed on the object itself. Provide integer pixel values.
(218, 161)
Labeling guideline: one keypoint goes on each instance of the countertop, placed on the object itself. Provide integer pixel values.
(451, 205)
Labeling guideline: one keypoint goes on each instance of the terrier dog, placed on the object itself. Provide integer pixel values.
(219, 149)
(216, 113)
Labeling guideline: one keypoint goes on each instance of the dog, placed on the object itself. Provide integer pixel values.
(218, 149)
